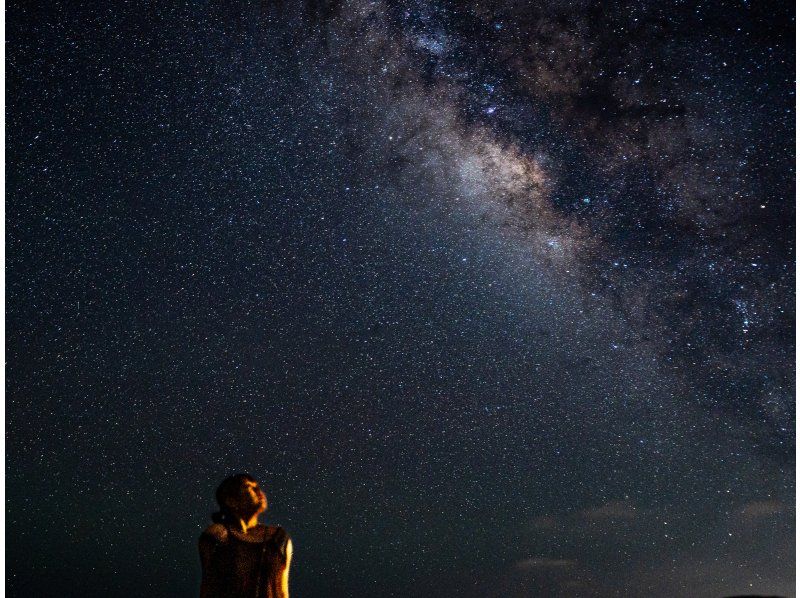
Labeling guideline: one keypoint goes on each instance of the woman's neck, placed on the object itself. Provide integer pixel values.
(246, 524)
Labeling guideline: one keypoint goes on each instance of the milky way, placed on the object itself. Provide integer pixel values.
(620, 154)
(495, 299)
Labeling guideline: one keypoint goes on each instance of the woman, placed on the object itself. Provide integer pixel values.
(240, 557)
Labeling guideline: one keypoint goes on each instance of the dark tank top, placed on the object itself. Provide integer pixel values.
(242, 566)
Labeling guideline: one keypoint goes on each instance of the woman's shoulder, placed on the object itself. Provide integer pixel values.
(276, 530)
(279, 537)
(215, 532)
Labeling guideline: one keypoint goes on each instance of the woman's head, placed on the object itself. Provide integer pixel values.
(239, 496)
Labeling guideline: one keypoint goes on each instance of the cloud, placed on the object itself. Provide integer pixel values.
(615, 510)
(545, 522)
(542, 563)
(542, 576)
(616, 549)
(759, 509)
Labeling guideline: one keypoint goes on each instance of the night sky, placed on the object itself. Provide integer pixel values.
(496, 299)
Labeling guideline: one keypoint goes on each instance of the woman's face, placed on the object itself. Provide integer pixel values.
(251, 499)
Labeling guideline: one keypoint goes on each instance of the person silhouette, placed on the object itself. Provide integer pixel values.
(241, 558)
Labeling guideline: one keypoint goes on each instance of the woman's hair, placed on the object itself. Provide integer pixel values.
(229, 488)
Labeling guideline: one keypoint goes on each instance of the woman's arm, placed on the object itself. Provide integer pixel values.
(210, 539)
(285, 577)
(206, 546)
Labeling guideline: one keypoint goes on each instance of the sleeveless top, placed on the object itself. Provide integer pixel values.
(236, 565)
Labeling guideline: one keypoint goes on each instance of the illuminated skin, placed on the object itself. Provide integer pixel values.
(251, 502)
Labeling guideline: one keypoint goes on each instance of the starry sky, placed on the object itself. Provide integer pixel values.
(495, 298)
